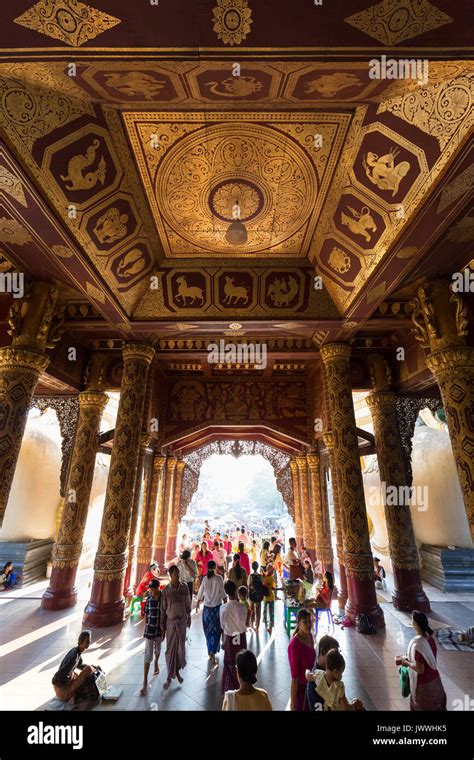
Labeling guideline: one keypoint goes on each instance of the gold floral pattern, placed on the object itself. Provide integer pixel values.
(232, 20)
(12, 232)
(10, 184)
(69, 21)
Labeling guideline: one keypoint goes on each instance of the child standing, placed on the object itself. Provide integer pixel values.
(269, 603)
(152, 633)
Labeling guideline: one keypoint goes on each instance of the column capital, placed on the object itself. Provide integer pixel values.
(313, 461)
(293, 465)
(12, 357)
(180, 465)
(328, 438)
(334, 351)
(381, 402)
(141, 351)
(158, 463)
(93, 398)
(459, 359)
(171, 463)
(145, 440)
(301, 461)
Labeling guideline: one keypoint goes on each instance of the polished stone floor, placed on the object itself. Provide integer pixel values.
(32, 643)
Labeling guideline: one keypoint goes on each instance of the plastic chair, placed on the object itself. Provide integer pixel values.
(328, 611)
(135, 605)
(290, 614)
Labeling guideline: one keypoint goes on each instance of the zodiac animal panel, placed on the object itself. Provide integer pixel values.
(77, 178)
(193, 402)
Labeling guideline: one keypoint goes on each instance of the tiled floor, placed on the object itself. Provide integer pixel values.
(33, 643)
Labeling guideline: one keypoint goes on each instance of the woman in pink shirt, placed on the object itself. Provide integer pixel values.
(301, 654)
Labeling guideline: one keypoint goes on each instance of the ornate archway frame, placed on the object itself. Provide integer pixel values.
(279, 460)
(67, 412)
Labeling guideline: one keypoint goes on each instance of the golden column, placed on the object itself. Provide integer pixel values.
(308, 529)
(297, 501)
(408, 591)
(174, 507)
(148, 518)
(138, 496)
(320, 512)
(106, 605)
(62, 592)
(328, 439)
(440, 320)
(36, 323)
(358, 559)
(161, 525)
(161, 544)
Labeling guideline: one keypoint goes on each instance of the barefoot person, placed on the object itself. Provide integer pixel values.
(152, 633)
(175, 617)
(67, 683)
(233, 617)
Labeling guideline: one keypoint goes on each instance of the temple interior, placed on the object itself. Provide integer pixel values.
(225, 231)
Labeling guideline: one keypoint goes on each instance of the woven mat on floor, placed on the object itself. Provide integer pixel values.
(447, 638)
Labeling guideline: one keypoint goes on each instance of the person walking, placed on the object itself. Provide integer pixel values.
(233, 618)
(269, 583)
(212, 593)
(187, 571)
(237, 574)
(247, 697)
(256, 596)
(152, 632)
(175, 617)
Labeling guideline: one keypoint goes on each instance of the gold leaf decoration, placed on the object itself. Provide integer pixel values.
(232, 20)
(12, 185)
(11, 231)
(394, 21)
(69, 21)
(95, 293)
(407, 253)
(62, 251)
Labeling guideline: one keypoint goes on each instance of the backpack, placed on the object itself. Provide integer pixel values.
(364, 624)
(257, 592)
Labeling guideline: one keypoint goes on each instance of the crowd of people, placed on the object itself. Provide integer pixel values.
(236, 578)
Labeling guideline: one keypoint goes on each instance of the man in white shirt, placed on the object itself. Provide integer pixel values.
(292, 561)
(233, 617)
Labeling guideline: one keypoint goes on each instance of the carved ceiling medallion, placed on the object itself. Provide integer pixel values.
(232, 20)
(69, 21)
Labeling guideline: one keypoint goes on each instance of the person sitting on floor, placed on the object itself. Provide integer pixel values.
(330, 687)
(67, 684)
(8, 578)
(379, 573)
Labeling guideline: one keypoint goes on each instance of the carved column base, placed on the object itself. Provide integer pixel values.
(361, 600)
(408, 594)
(62, 592)
(107, 604)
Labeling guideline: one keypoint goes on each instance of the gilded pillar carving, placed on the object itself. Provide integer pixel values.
(358, 559)
(106, 605)
(174, 507)
(138, 495)
(408, 592)
(319, 508)
(161, 527)
(342, 589)
(297, 500)
(153, 481)
(308, 528)
(440, 323)
(36, 322)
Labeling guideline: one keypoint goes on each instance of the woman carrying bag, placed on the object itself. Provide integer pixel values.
(426, 690)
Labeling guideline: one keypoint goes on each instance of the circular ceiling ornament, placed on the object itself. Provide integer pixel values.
(268, 174)
(232, 20)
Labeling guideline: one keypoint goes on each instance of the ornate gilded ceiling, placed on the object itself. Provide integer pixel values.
(275, 167)
(125, 146)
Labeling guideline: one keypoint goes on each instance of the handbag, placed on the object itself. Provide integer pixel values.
(404, 673)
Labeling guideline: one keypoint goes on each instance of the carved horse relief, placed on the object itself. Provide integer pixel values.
(185, 291)
(75, 177)
(234, 293)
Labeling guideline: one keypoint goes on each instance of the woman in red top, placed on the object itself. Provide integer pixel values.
(244, 559)
(203, 556)
(150, 574)
(324, 597)
(302, 656)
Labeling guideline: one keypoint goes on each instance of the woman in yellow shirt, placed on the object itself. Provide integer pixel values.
(247, 697)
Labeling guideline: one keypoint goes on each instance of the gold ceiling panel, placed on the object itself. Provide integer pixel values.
(394, 21)
(276, 167)
(69, 21)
